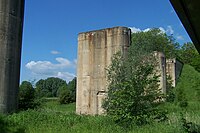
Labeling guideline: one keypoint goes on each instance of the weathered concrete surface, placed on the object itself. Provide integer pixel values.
(161, 70)
(173, 69)
(11, 24)
(95, 49)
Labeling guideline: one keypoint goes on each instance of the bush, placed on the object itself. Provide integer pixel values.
(64, 95)
(27, 97)
(9, 127)
(133, 92)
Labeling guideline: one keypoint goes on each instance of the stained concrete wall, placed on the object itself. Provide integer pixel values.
(173, 69)
(161, 70)
(11, 24)
(95, 49)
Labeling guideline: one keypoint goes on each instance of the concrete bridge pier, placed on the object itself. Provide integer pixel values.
(11, 27)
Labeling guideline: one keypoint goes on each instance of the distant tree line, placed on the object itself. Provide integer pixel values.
(30, 93)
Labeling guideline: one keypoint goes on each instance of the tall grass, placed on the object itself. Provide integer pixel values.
(62, 119)
(56, 120)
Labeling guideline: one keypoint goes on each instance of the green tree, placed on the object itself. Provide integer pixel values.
(189, 55)
(26, 95)
(64, 95)
(67, 93)
(40, 89)
(49, 86)
(72, 87)
(187, 52)
(133, 91)
(155, 40)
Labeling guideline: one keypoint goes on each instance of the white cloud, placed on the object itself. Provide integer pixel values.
(55, 52)
(162, 29)
(44, 69)
(147, 29)
(179, 37)
(169, 30)
(47, 65)
(65, 75)
(134, 29)
(63, 62)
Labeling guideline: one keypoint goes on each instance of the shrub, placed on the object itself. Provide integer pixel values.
(9, 127)
(133, 91)
(64, 95)
(26, 96)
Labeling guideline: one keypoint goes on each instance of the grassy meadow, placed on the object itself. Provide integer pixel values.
(55, 118)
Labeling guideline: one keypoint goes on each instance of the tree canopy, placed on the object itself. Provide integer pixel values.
(155, 40)
(49, 86)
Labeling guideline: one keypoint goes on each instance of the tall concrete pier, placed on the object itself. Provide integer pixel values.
(11, 27)
(95, 49)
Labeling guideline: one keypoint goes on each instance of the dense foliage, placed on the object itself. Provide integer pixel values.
(26, 96)
(189, 55)
(133, 87)
(72, 87)
(67, 93)
(155, 40)
(49, 86)
(7, 126)
(133, 92)
(64, 95)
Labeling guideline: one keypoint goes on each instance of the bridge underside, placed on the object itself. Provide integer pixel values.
(188, 11)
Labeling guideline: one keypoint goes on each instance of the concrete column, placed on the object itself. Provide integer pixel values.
(95, 50)
(11, 27)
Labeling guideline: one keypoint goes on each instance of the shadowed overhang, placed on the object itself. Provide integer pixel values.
(189, 13)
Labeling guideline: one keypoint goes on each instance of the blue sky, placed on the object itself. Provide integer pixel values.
(51, 29)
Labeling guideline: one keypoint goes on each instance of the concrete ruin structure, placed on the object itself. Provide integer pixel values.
(11, 27)
(173, 69)
(95, 49)
(161, 70)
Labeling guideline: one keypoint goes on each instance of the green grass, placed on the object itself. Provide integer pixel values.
(55, 118)
(62, 119)
(190, 83)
